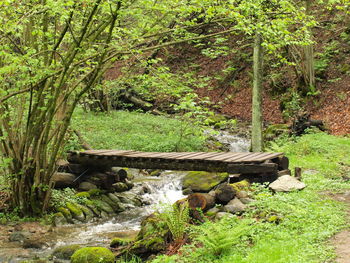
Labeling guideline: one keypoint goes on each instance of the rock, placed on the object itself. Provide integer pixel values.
(155, 173)
(83, 194)
(286, 183)
(221, 215)
(103, 206)
(235, 206)
(63, 180)
(67, 214)
(241, 185)
(114, 198)
(212, 212)
(87, 186)
(242, 194)
(284, 172)
(246, 200)
(34, 243)
(94, 209)
(76, 212)
(203, 181)
(65, 252)
(224, 193)
(129, 198)
(152, 237)
(187, 191)
(88, 213)
(19, 236)
(120, 187)
(118, 241)
(129, 184)
(59, 219)
(93, 255)
(117, 206)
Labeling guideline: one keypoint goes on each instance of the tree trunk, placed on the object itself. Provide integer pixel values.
(257, 138)
(309, 68)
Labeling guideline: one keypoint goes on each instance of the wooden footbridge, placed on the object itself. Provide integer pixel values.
(231, 162)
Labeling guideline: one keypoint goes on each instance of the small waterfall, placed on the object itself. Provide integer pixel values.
(233, 142)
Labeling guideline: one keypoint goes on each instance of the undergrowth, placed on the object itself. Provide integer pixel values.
(137, 131)
(306, 219)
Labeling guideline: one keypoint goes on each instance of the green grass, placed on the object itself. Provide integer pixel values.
(137, 131)
(307, 218)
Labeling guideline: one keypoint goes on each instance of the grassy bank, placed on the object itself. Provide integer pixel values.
(282, 227)
(137, 131)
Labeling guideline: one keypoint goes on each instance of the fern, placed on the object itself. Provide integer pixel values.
(220, 237)
(177, 218)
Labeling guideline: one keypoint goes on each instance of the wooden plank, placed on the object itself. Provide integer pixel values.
(237, 157)
(204, 156)
(115, 153)
(174, 156)
(189, 156)
(222, 157)
(250, 158)
(269, 156)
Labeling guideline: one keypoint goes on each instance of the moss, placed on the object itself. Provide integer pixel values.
(203, 181)
(241, 185)
(95, 192)
(65, 252)
(120, 187)
(87, 212)
(155, 173)
(118, 241)
(93, 255)
(67, 214)
(83, 194)
(103, 206)
(76, 211)
(115, 205)
(58, 219)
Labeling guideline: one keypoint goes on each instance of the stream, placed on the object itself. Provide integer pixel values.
(162, 190)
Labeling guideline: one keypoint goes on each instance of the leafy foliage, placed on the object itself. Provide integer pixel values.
(177, 218)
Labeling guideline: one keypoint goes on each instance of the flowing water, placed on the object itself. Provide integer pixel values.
(162, 190)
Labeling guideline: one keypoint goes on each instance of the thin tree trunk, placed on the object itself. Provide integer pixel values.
(309, 57)
(257, 138)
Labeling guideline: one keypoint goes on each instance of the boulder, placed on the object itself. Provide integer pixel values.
(76, 212)
(224, 193)
(203, 181)
(63, 180)
(286, 183)
(120, 187)
(66, 213)
(221, 215)
(152, 237)
(87, 186)
(59, 219)
(235, 206)
(93, 255)
(65, 252)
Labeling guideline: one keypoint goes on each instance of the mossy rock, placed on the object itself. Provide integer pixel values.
(83, 195)
(120, 187)
(118, 241)
(93, 255)
(95, 192)
(114, 198)
(241, 185)
(76, 212)
(89, 214)
(155, 173)
(65, 252)
(115, 205)
(275, 130)
(94, 209)
(59, 219)
(103, 206)
(203, 181)
(152, 237)
(67, 214)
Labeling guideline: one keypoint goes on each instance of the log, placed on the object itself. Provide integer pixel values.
(200, 200)
(63, 180)
(282, 162)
